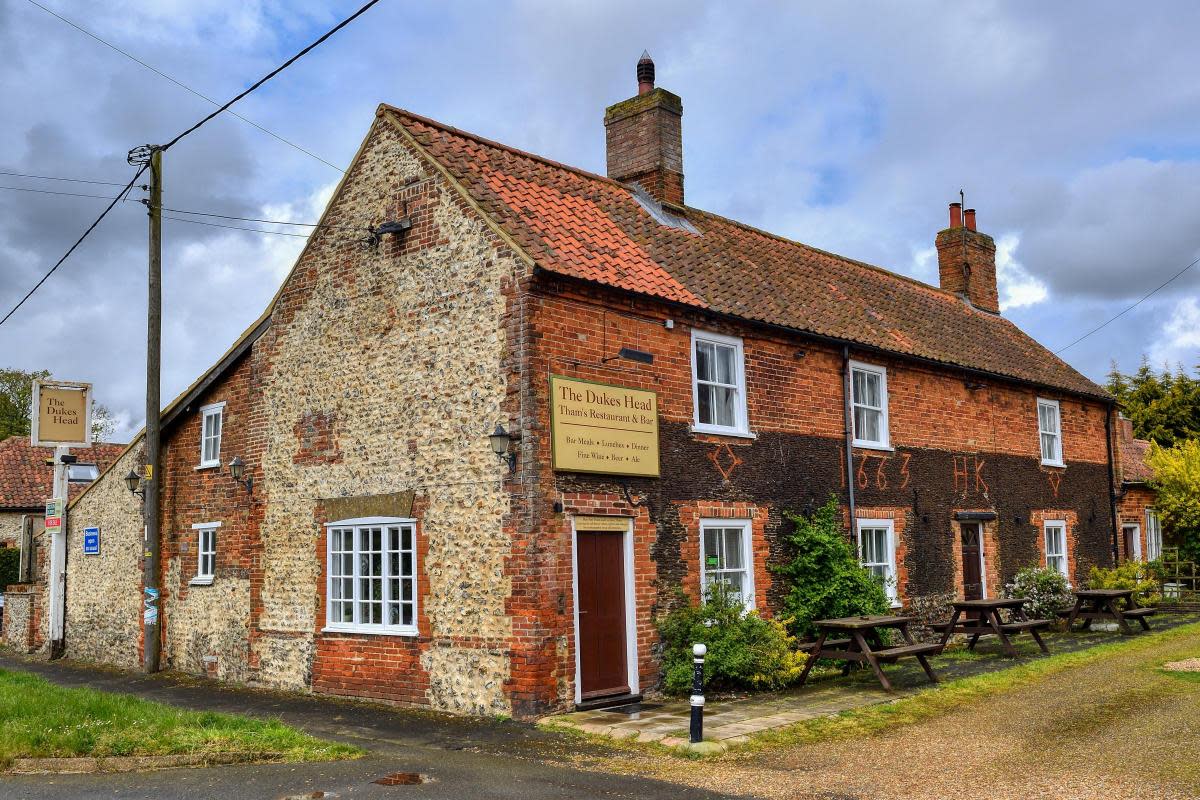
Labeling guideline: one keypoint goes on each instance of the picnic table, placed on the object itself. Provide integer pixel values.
(1093, 604)
(859, 641)
(989, 622)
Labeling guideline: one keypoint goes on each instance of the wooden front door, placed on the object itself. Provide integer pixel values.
(972, 550)
(602, 650)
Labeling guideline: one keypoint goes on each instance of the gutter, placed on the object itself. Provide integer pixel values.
(1112, 482)
(849, 425)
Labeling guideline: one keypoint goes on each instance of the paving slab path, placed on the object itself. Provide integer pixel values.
(466, 758)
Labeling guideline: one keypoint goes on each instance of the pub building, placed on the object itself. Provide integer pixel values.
(479, 451)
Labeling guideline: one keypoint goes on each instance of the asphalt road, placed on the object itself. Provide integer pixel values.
(462, 759)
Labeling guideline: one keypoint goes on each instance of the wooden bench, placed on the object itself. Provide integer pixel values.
(919, 649)
(1026, 625)
(1139, 612)
(831, 644)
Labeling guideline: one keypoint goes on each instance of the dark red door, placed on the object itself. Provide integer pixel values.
(601, 561)
(972, 561)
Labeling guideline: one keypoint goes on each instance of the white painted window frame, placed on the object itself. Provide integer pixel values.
(747, 548)
(631, 630)
(211, 410)
(205, 577)
(892, 584)
(1061, 524)
(355, 525)
(741, 426)
(1136, 555)
(1153, 535)
(1057, 459)
(886, 442)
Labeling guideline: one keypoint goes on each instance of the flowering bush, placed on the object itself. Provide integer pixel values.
(1142, 578)
(1046, 589)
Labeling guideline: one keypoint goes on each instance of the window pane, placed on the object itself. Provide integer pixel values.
(723, 406)
(725, 355)
(733, 548)
(867, 389)
(1049, 447)
(712, 549)
(704, 361)
(704, 397)
(867, 424)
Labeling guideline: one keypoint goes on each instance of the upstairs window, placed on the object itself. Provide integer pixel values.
(869, 399)
(1153, 535)
(727, 559)
(1050, 430)
(211, 424)
(206, 551)
(1056, 547)
(371, 576)
(718, 384)
(877, 552)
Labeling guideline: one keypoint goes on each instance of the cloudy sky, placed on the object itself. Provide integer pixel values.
(1073, 128)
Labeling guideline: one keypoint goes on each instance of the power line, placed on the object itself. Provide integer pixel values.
(272, 73)
(182, 85)
(257, 219)
(78, 242)
(1127, 310)
(235, 227)
(51, 178)
(63, 194)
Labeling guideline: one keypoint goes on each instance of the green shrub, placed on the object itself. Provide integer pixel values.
(10, 565)
(1143, 578)
(1047, 590)
(745, 651)
(825, 579)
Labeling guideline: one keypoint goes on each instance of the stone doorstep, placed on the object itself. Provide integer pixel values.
(89, 764)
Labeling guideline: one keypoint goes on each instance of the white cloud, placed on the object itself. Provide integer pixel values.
(1179, 338)
(1017, 287)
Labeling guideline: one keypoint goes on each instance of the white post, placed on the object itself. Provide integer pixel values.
(57, 579)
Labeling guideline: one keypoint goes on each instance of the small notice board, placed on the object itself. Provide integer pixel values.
(91, 541)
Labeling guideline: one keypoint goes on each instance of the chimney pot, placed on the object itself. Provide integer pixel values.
(969, 216)
(645, 73)
(956, 215)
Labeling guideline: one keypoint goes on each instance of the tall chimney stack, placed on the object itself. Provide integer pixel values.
(967, 261)
(644, 136)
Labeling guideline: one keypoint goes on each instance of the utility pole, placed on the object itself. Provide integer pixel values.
(151, 578)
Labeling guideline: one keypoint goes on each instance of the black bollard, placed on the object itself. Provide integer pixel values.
(697, 727)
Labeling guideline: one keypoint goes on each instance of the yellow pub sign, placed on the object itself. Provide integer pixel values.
(596, 427)
(62, 414)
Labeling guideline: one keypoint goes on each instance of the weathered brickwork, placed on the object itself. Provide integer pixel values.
(104, 592)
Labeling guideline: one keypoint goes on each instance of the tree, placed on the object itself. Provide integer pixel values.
(1177, 482)
(1164, 407)
(16, 406)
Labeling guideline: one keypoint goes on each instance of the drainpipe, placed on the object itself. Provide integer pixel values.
(846, 389)
(1112, 481)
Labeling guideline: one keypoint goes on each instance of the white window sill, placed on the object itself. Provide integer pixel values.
(213, 465)
(887, 448)
(372, 630)
(1059, 464)
(711, 431)
(201, 581)
(896, 603)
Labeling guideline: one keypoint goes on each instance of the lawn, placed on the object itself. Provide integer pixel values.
(39, 720)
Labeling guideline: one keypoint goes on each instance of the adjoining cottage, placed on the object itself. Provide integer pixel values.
(1141, 536)
(661, 384)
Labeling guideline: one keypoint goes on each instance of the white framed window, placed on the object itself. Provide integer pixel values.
(869, 404)
(212, 421)
(1153, 535)
(877, 552)
(371, 576)
(727, 557)
(1056, 546)
(1050, 432)
(719, 384)
(206, 551)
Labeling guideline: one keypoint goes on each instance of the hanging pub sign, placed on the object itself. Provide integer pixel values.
(62, 414)
(596, 427)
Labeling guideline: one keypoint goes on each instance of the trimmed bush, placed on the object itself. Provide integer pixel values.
(825, 579)
(745, 651)
(1047, 590)
(1142, 578)
(10, 565)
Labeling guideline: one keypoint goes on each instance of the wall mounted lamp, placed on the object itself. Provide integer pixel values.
(501, 440)
(133, 482)
(629, 354)
(237, 468)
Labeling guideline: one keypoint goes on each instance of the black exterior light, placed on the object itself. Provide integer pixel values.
(133, 482)
(629, 354)
(501, 440)
(237, 468)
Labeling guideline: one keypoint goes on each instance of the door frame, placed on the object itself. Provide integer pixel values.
(983, 584)
(1136, 555)
(631, 660)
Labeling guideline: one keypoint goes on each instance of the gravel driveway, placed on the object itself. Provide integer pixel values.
(1117, 728)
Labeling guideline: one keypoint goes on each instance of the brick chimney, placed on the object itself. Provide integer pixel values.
(967, 260)
(645, 139)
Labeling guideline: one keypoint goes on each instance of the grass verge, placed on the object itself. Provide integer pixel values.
(41, 720)
(950, 695)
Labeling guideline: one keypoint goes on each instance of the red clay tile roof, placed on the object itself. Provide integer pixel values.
(1133, 452)
(26, 480)
(582, 225)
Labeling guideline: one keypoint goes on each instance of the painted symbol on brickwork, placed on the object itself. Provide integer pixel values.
(876, 464)
(968, 474)
(904, 470)
(1055, 481)
(724, 459)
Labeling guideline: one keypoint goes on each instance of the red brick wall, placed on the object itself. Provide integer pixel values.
(1131, 508)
